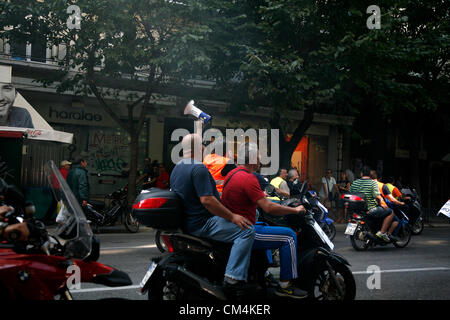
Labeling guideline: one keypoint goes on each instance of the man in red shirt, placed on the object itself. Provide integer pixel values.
(163, 178)
(242, 195)
(64, 169)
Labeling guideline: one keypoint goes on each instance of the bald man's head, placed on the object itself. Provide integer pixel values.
(192, 146)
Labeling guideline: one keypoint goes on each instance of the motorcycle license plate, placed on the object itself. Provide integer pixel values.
(351, 228)
(148, 275)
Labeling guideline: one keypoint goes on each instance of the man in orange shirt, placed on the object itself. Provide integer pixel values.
(219, 166)
(386, 195)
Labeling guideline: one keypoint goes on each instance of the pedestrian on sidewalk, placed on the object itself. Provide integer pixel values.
(343, 187)
(48, 217)
(328, 191)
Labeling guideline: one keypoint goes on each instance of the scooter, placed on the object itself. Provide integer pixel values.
(320, 211)
(321, 216)
(414, 213)
(362, 228)
(45, 266)
(194, 267)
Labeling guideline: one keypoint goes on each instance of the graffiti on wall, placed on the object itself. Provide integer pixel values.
(108, 151)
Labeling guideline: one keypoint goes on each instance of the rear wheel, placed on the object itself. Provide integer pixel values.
(130, 222)
(167, 289)
(158, 241)
(359, 240)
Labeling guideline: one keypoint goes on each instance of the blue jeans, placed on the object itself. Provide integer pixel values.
(268, 237)
(219, 229)
(380, 212)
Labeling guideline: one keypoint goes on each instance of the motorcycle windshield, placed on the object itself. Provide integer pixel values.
(73, 229)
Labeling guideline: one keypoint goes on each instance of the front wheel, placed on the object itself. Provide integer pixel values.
(330, 230)
(404, 236)
(332, 281)
(130, 222)
(417, 228)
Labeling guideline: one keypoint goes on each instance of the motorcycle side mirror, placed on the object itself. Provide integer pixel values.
(270, 190)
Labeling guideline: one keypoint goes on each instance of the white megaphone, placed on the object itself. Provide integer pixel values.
(196, 112)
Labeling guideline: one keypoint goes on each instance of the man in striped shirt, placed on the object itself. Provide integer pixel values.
(375, 204)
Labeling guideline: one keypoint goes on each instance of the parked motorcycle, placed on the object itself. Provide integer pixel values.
(100, 215)
(43, 267)
(194, 267)
(362, 227)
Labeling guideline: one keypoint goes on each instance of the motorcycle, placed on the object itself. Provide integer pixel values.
(100, 215)
(415, 214)
(45, 265)
(321, 216)
(320, 211)
(362, 227)
(194, 267)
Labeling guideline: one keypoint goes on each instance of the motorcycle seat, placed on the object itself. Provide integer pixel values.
(206, 242)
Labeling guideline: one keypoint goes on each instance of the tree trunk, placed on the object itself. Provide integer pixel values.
(288, 148)
(132, 177)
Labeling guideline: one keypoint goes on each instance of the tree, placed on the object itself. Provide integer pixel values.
(289, 62)
(320, 56)
(125, 49)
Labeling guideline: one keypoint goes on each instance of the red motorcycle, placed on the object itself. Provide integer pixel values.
(46, 266)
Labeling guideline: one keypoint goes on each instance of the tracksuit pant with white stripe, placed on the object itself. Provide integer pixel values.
(268, 237)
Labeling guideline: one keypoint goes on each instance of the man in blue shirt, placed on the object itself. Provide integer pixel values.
(206, 216)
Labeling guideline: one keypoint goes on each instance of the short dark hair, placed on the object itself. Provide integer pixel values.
(373, 174)
(365, 171)
(78, 160)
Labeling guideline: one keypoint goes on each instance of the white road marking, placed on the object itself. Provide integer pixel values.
(135, 247)
(405, 270)
(104, 289)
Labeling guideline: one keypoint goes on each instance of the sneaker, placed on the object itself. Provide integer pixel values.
(291, 292)
(383, 236)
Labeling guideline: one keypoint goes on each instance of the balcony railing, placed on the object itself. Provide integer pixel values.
(32, 53)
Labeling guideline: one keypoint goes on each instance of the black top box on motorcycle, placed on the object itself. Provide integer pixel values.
(354, 201)
(159, 209)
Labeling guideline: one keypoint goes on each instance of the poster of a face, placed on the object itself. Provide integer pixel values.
(12, 116)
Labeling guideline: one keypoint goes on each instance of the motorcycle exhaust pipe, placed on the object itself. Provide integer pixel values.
(202, 283)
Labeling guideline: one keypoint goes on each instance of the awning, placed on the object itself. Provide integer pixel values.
(36, 134)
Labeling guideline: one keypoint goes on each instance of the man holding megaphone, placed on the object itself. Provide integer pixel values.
(207, 217)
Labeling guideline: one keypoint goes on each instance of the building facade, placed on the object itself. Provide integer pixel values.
(105, 144)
